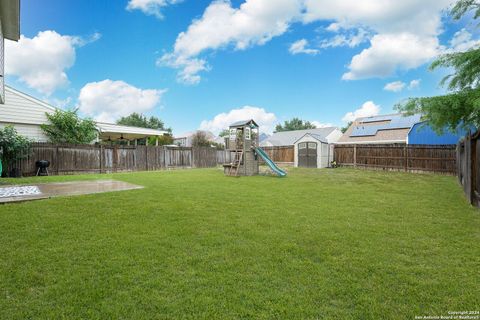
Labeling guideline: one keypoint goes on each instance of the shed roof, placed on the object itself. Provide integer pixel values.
(288, 138)
(313, 135)
(10, 18)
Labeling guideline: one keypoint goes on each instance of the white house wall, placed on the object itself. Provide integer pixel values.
(25, 114)
(31, 131)
(334, 136)
(18, 109)
(2, 66)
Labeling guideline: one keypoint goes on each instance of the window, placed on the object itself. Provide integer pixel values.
(302, 145)
(247, 133)
(312, 145)
(233, 134)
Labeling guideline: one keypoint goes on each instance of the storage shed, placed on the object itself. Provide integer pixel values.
(312, 151)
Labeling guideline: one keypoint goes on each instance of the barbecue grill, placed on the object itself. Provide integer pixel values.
(42, 166)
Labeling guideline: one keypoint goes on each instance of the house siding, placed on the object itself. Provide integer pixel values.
(2, 66)
(24, 114)
(31, 131)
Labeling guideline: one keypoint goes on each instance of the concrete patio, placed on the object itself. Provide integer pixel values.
(18, 193)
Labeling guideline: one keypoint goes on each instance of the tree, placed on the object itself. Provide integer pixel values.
(344, 129)
(200, 139)
(224, 133)
(68, 127)
(140, 120)
(14, 146)
(294, 124)
(166, 139)
(461, 106)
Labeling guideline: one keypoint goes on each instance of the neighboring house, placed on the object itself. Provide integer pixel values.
(27, 113)
(288, 138)
(185, 140)
(395, 128)
(391, 128)
(263, 137)
(219, 140)
(9, 29)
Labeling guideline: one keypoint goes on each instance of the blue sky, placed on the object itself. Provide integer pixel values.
(267, 59)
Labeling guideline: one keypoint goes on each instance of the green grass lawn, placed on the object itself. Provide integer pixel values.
(319, 244)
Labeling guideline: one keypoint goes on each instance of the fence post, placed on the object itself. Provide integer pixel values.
(405, 151)
(165, 157)
(473, 169)
(57, 160)
(354, 155)
(146, 156)
(192, 155)
(101, 158)
(115, 158)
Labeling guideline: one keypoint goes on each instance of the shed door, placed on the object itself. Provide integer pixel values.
(307, 154)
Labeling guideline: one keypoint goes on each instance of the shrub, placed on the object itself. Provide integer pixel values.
(14, 146)
(68, 127)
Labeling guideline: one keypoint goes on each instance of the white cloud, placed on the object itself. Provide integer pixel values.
(462, 41)
(384, 16)
(414, 84)
(60, 103)
(393, 27)
(334, 27)
(395, 86)
(42, 61)
(390, 52)
(398, 26)
(348, 38)
(368, 109)
(300, 46)
(255, 22)
(109, 100)
(189, 67)
(265, 120)
(150, 7)
(319, 124)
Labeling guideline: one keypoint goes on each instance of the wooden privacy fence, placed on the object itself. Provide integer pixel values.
(70, 159)
(280, 154)
(468, 160)
(431, 158)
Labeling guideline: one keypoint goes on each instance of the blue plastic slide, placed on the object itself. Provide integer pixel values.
(270, 163)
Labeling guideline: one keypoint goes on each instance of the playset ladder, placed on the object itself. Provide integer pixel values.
(237, 160)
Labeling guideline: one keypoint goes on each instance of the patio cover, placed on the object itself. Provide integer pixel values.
(115, 132)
